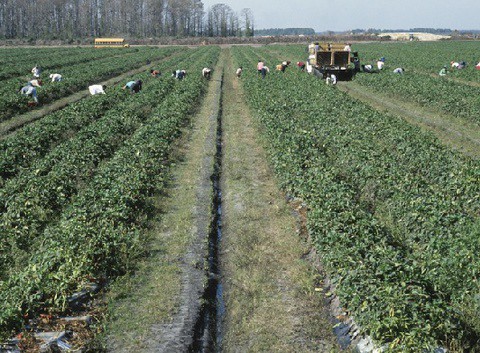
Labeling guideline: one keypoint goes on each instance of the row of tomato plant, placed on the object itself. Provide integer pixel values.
(19, 150)
(418, 84)
(75, 78)
(34, 197)
(426, 57)
(100, 232)
(392, 212)
(20, 61)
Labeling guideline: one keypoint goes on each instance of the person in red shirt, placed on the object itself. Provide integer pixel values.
(301, 65)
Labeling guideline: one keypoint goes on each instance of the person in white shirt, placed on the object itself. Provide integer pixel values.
(56, 77)
(347, 47)
(399, 70)
(36, 71)
(380, 64)
(35, 83)
(29, 91)
(331, 79)
(239, 71)
(97, 89)
(206, 72)
(454, 64)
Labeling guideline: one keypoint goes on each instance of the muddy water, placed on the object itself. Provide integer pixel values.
(208, 328)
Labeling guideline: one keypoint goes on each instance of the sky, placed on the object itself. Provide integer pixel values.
(340, 15)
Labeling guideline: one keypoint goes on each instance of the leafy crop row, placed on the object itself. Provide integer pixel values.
(100, 232)
(19, 61)
(19, 150)
(393, 213)
(75, 78)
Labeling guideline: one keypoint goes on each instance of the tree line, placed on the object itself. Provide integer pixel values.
(73, 19)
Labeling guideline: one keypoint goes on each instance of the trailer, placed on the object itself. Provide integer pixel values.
(332, 58)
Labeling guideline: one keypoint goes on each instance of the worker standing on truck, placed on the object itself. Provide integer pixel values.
(31, 91)
(206, 72)
(56, 77)
(347, 47)
(97, 89)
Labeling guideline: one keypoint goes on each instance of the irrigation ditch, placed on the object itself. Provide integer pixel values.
(207, 335)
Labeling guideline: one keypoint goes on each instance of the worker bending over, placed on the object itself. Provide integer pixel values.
(179, 74)
(331, 79)
(35, 83)
(31, 91)
(301, 65)
(155, 73)
(239, 71)
(264, 71)
(133, 86)
(399, 70)
(443, 71)
(56, 77)
(36, 71)
(97, 89)
(206, 72)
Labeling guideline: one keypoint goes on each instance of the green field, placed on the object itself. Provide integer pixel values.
(393, 212)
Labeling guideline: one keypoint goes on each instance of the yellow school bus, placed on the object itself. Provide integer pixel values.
(110, 43)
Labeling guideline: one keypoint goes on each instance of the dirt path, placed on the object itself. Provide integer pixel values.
(271, 303)
(156, 309)
(456, 133)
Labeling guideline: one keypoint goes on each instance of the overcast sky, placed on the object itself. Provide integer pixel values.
(339, 15)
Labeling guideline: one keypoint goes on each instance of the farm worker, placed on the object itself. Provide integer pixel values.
(461, 65)
(331, 79)
(35, 83)
(239, 71)
(347, 47)
(454, 64)
(367, 68)
(179, 74)
(443, 71)
(264, 71)
(380, 64)
(284, 65)
(301, 65)
(278, 67)
(29, 91)
(309, 67)
(155, 73)
(36, 71)
(399, 70)
(133, 86)
(56, 77)
(206, 72)
(260, 65)
(478, 66)
(97, 89)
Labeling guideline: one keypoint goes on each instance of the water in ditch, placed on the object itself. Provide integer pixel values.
(208, 328)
